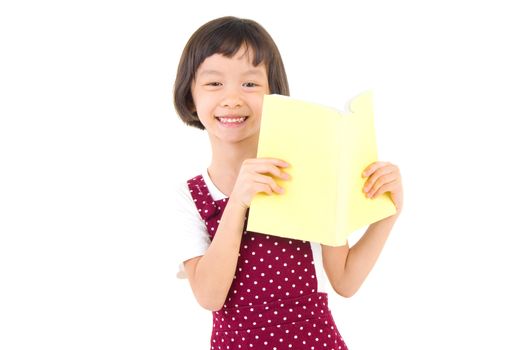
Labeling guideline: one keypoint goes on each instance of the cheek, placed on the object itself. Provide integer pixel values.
(258, 105)
(200, 104)
(201, 111)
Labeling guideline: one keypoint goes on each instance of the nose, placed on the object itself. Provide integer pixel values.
(231, 99)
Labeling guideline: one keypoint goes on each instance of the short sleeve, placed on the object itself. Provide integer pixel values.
(192, 237)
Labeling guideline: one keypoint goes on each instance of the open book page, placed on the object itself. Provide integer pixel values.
(359, 150)
(327, 150)
(304, 135)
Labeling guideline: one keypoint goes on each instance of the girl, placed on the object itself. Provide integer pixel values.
(263, 290)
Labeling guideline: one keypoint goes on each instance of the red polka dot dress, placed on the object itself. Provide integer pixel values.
(273, 302)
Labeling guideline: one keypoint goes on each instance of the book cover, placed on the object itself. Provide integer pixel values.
(327, 150)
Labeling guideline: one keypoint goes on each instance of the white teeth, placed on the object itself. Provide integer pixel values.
(232, 120)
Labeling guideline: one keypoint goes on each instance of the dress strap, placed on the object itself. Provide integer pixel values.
(202, 198)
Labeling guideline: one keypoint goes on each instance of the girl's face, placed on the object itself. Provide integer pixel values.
(228, 94)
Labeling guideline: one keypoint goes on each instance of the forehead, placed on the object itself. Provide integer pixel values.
(241, 62)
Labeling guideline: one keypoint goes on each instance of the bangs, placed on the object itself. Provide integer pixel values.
(250, 45)
(229, 38)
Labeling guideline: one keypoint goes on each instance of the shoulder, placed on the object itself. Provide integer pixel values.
(186, 211)
(183, 194)
(184, 199)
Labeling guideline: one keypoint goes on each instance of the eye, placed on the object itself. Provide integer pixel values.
(213, 83)
(250, 84)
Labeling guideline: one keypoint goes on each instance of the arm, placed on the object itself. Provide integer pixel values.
(347, 268)
(211, 275)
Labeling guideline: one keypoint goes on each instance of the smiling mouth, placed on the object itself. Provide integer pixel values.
(232, 120)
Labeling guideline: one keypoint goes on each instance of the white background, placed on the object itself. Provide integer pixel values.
(91, 151)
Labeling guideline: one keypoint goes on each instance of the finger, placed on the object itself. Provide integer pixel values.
(373, 178)
(382, 180)
(378, 179)
(263, 188)
(386, 188)
(275, 161)
(267, 180)
(268, 168)
(372, 168)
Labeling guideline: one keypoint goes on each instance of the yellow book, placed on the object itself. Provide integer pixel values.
(327, 150)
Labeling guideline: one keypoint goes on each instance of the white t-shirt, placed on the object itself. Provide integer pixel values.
(193, 238)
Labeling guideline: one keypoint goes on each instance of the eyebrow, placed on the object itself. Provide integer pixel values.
(215, 72)
(253, 72)
(210, 72)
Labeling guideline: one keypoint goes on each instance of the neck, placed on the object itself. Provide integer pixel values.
(227, 158)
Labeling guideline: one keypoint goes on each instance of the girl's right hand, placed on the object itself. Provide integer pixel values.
(258, 176)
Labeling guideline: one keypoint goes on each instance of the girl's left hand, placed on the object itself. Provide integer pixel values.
(384, 177)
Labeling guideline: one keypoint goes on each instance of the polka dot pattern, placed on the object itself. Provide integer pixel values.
(273, 301)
